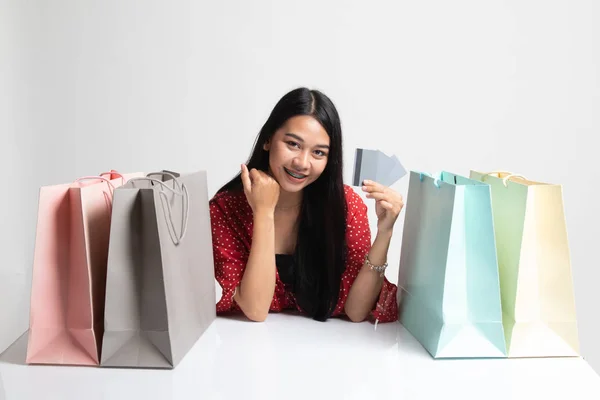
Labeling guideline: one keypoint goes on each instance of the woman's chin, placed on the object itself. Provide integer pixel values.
(291, 188)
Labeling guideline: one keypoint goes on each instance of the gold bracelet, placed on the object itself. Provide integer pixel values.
(378, 268)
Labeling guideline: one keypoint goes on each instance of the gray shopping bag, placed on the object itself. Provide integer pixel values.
(160, 290)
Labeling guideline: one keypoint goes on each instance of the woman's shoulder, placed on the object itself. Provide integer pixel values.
(351, 194)
(353, 200)
(230, 202)
(231, 219)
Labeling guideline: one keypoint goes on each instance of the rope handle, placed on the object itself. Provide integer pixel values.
(108, 197)
(175, 178)
(506, 178)
(166, 206)
(436, 181)
(86, 178)
(112, 173)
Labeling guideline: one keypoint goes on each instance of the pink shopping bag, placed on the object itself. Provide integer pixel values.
(69, 270)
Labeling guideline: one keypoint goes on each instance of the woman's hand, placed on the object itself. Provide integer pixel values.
(262, 191)
(388, 204)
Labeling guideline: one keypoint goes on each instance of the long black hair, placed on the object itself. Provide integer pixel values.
(320, 254)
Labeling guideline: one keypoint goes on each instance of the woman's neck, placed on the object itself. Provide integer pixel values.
(289, 200)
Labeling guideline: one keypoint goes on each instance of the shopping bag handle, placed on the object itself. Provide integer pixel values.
(86, 178)
(107, 198)
(436, 181)
(506, 178)
(182, 188)
(172, 175)
(113, 172)
(166, 206)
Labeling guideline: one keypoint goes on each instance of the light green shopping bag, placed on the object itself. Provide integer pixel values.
(449, 297)
(534, 260)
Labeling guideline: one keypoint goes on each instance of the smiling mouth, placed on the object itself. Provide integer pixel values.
(294, 174)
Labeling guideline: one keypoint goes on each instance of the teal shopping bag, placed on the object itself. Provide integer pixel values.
(449, 297)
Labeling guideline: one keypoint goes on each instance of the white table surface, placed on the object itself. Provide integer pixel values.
(292, 357)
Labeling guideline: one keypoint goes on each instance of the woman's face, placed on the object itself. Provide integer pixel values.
(298, 153)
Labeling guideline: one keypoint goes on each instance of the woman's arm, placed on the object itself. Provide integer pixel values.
(255, 293)
(256, 289)
(367, 286)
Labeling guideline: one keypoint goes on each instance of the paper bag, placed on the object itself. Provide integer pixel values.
(69, 271)
(535, 268)
(449, 292)
(160, 295)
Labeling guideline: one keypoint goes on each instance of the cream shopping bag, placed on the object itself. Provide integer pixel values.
(536, 284)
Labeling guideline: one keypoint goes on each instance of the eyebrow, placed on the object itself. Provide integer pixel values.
(298, 138)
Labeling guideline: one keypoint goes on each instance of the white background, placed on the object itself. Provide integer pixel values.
(87, 86)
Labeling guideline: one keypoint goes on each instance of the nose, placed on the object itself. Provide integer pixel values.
(301, 162)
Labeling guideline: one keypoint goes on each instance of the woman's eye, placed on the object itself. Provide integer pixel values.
(292, 143)
(320, 153)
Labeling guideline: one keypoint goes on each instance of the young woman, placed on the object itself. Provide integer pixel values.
(288, 234)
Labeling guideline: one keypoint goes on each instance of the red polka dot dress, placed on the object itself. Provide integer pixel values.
(232, 225)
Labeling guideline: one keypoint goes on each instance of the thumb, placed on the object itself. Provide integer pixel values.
(247, 184)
